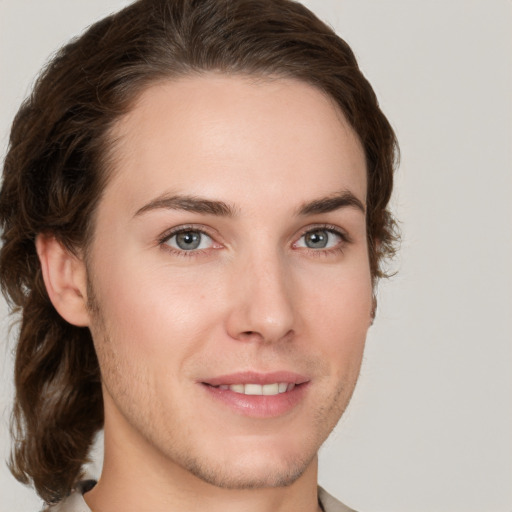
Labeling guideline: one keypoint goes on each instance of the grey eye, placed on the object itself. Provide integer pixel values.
(316, 239)
(190, 240)
(319, 239)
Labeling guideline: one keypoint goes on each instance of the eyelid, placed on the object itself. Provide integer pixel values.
(201, 228)
(183, 228)
(327, 227)
(345, 237)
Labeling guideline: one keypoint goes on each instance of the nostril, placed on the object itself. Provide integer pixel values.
(250, 336)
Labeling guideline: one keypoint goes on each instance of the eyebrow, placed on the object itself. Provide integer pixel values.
(331, 203)
(197, 204)
(189, 204)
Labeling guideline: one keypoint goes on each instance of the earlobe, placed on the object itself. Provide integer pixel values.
(65, 279)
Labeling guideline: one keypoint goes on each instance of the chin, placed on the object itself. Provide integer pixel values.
(251, 472)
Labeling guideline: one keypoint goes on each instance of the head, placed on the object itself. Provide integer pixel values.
(70, 175)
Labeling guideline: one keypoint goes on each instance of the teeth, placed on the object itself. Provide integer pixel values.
(253, 389)
(270, 389)
(259, 389)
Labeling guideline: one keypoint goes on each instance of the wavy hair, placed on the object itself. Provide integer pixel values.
(57, 165)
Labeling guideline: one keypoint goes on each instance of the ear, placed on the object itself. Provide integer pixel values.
(65, 279)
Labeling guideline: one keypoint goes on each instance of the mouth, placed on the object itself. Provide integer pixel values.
(252, 389)
(258, 394)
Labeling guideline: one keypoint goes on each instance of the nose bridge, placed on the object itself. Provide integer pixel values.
(263, 305)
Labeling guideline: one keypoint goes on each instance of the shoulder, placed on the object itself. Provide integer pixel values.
(75, 501)
(331, 504)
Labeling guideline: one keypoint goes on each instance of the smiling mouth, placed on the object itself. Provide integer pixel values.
(259, 395)
(275, 388)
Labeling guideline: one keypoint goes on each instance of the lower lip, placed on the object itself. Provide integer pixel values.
(259, 406)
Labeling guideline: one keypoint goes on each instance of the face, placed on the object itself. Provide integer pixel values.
(230, 278)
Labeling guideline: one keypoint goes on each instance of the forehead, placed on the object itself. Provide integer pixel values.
(235, 138)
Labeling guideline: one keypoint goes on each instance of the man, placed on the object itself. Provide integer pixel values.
(194, 214)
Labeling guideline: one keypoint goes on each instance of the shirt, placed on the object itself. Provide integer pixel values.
(75, 501)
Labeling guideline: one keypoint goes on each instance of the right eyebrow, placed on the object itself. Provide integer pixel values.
(188, 203)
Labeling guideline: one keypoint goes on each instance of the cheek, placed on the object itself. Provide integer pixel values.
(154, 312)
(163, 313)
(338, 315)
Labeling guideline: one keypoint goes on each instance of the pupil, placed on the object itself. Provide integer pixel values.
(188, 240)
(316, 239)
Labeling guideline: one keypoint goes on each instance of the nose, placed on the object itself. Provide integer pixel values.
(261, 304)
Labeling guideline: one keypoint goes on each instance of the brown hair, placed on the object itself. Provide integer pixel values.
(57, 165)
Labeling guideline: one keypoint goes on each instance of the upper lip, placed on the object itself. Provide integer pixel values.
(252, 377)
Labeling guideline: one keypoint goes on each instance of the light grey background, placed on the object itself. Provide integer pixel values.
(430, 426)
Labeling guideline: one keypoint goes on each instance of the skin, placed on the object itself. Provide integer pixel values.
(253, 297)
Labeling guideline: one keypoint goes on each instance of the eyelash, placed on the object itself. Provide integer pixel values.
(339, 248)
(162, 241)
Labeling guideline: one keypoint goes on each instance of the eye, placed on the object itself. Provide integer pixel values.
(320, 239)
(189, 240)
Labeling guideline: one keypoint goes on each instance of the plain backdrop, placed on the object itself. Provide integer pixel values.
(430, 425)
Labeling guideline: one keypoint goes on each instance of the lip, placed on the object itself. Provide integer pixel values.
(256, 378)
(257, 406)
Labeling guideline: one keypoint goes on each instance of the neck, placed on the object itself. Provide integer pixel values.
(136, 477)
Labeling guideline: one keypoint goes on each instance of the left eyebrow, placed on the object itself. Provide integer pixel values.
(345, 199)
